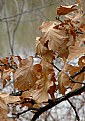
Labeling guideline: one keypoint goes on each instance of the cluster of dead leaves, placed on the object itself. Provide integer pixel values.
(37, 79)
(66, 39)
(69, 70)
(7, 65)
(6, 99)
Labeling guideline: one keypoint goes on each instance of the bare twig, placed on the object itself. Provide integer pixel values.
(18, 114)
(15, 29)
(74, 108)
(29, 11)
(8, 31)
(56, 67)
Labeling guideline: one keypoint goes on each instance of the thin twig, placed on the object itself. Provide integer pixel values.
(8, 31)
(74, 108)
(15, 29)
(56, 67)
(18, 114)
(29, 11)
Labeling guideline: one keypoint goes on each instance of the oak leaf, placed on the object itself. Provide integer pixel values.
(25, 76)
(55, 37)
(81, 61)
(3, 109)
(3, 105)
(75, 51)
(63, 10)
(46, 61)
(46, 26)
(52, 88)
(64, 80)
(8, 98)
(39, 92)
(80, 78)
(40, 48)
(37, 68)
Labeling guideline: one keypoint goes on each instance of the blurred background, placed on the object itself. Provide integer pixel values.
(20, 21)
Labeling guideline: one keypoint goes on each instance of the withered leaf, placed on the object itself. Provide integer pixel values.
(65, 81)
(39, 92)
(25, 76)
(55, 37)
(75, 51)
(8, 98)
(3, 109)
(63, 10)
(40, 48)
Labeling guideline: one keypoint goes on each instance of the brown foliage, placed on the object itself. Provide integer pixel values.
(37, 82)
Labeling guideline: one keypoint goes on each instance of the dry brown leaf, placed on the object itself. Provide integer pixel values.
(40, 49)
(81, 39)
(39, 92)
(82, 28)
(81, 61)
(78, 78)
(55, 38)
(75, 51)
(25, 76)
(48, 56)
(63, 50)
(46, 26)
(8, 98)
(46, 61)
(6, 74)
(3, 109)
(5, 99)
(63, 10)
(52, 88)
(37, 70)
(63, 79)
(26, 94)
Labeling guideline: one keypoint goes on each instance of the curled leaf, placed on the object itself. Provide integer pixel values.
(63, 10)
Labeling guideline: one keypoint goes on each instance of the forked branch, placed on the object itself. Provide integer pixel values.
(57, 101)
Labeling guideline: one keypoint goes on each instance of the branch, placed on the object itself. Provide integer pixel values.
(74, 108)
(57, 101)
(56, 67)
(18, 114)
